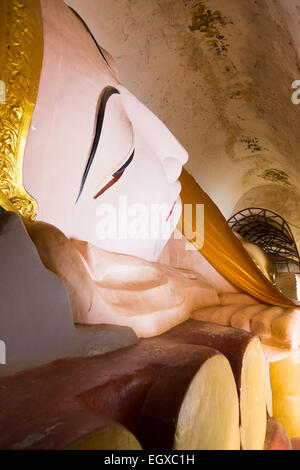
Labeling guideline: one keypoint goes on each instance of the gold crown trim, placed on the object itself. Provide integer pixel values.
(21, 57)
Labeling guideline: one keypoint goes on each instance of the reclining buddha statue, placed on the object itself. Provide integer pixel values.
(101, 190)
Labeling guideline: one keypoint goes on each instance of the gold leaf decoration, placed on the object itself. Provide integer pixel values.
(21, 56)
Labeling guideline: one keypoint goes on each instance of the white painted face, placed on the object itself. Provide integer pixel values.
(102, 167)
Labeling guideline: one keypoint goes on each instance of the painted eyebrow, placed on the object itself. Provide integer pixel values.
(90, 33)
(107, 93)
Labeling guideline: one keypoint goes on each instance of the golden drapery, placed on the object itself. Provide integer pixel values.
(223, 250)
(21, 57)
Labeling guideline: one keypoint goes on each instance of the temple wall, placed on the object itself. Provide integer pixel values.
(219, 74)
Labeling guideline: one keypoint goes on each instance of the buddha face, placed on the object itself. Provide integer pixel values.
(101, 166)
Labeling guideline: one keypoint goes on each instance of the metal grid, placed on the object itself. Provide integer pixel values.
(272, 233)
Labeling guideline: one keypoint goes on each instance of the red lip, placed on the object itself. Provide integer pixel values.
(171, 212)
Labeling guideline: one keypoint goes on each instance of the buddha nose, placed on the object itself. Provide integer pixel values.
(173, 168)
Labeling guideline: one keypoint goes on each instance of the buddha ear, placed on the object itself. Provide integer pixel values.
(59, 256)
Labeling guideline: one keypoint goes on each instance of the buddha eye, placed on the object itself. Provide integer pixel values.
(107, 93)
(123, 167)
(116, 176)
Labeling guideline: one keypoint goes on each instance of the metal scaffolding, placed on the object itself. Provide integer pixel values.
(272, 233)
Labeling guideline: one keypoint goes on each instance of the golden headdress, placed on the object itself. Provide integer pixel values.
(21, 56)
